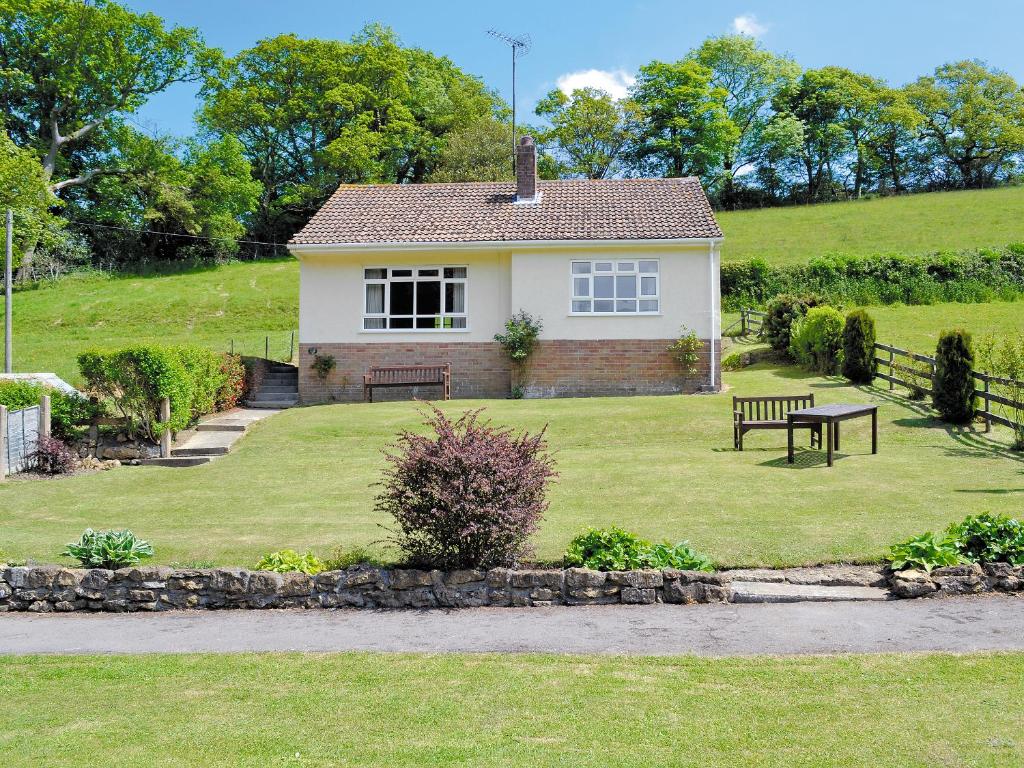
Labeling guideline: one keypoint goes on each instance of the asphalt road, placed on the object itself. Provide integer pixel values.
(957, 625)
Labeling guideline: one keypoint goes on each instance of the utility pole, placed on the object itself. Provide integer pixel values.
(520, 46)
(9, 294)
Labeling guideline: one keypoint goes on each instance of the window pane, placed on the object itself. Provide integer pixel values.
(375, 323)
(603, 266)
(581, 286)
(428, 322)
(401, 298)
(375, 299)
(625, 306)
(625, 286)
(428, 272)
(375, 274)
(581, 306)
(428, 297)
(401, 322)
(648, 286)
(604, 287)
(604, 306)
(456, 272)
(581, 267)
(648, 305)
(627, 266)
(456, 322)
(649, 267)
(401, 273)
(455, 297)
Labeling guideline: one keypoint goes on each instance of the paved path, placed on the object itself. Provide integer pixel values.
(959, 625)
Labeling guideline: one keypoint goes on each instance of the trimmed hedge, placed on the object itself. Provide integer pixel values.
(67, 410)
(817, 339)
(965, 276)
(953, 386)
(136, 379)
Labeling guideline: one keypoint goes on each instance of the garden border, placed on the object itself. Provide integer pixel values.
(49, 588)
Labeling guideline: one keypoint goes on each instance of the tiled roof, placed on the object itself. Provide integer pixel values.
(611, 209)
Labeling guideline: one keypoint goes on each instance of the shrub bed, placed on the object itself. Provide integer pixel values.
(964, 276)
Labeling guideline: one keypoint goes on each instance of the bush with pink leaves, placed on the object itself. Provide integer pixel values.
(55, 458)
(469, 495)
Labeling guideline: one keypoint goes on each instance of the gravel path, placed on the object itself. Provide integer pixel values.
(958, 625)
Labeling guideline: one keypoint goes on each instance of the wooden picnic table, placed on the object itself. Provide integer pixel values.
(831, 416)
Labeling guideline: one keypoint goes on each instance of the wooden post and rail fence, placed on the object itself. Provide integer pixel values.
(896, 366)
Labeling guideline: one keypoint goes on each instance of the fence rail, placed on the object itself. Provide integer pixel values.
(983, 393)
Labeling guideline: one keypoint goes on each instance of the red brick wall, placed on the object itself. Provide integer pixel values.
(557, 368)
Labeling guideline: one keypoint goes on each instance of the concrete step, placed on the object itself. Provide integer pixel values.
(214, 427)
(176, 461)
(211, 450)
(284, 369)
(277, 404)
(279, 388)
(284, 381)
(772, 592)
(286, 395)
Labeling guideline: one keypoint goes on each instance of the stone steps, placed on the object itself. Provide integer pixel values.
(783, 592)
(176, 461)
(278, 389)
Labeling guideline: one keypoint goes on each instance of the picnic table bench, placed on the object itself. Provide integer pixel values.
(407, 376)
(769, 412)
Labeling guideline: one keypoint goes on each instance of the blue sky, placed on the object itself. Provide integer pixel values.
(601, 43)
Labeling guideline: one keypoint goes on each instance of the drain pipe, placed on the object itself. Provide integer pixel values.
(711, 303)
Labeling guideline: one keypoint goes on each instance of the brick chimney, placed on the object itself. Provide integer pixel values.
(526, 169)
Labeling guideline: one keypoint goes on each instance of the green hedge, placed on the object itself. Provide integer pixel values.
(965, 276)
(136, 379)
(67, 410)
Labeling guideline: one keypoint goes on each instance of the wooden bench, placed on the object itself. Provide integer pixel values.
(750, 413)
(407, 376)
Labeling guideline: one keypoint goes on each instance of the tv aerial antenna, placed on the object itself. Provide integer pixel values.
(520, 45)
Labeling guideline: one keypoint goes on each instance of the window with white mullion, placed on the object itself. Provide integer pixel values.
(414, 298)
(616, 287)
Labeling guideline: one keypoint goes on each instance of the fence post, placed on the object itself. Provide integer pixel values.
(892, 359)
(988, 421)
(233, 343)
(44, 416)
(165, 438)
(291, 347)
(743, 322)
(3, 443)
(266, 348)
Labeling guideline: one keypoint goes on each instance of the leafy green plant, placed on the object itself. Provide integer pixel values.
(781, 313)
(108, 549)
(687, 350)
(290, 561)
(859, 362)
(67, 409)
(926, 552)
(520, 337)
(323, 365)
(953, 385)
(816, 339)
(614, 549)
(1004, 357)
(990, 538)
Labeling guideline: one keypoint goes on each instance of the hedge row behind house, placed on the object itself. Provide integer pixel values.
(135, 380)
(966, 276)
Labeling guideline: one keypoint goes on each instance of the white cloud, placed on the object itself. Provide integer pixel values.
(613, 82)
(747, 24)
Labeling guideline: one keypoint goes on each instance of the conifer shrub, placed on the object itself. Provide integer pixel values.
(859, 363)
(953, 386)
(782, 311)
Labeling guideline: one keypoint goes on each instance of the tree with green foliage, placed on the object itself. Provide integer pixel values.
(73, 69)
(682, 125)
(973, 120)
(480, 150)
(23, 188)
(751, 78)
(313, 113)
(859, 363)
(953, 385)
(890, 146)
(589, 131)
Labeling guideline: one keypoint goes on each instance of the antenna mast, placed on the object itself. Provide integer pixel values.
(520, 45)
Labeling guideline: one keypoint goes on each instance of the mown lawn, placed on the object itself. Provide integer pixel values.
(461, 710)
(662, 466)
(909, 224)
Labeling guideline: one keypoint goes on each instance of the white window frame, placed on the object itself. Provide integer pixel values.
(615, 272)
(415, 277)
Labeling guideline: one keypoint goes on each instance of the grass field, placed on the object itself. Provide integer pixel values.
(910, 224)
(662, 466)
(458, 710)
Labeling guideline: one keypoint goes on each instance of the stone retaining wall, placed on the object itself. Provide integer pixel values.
(160, 588)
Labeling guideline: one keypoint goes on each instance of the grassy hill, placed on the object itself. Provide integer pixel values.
(911, 224)
(244, 303)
